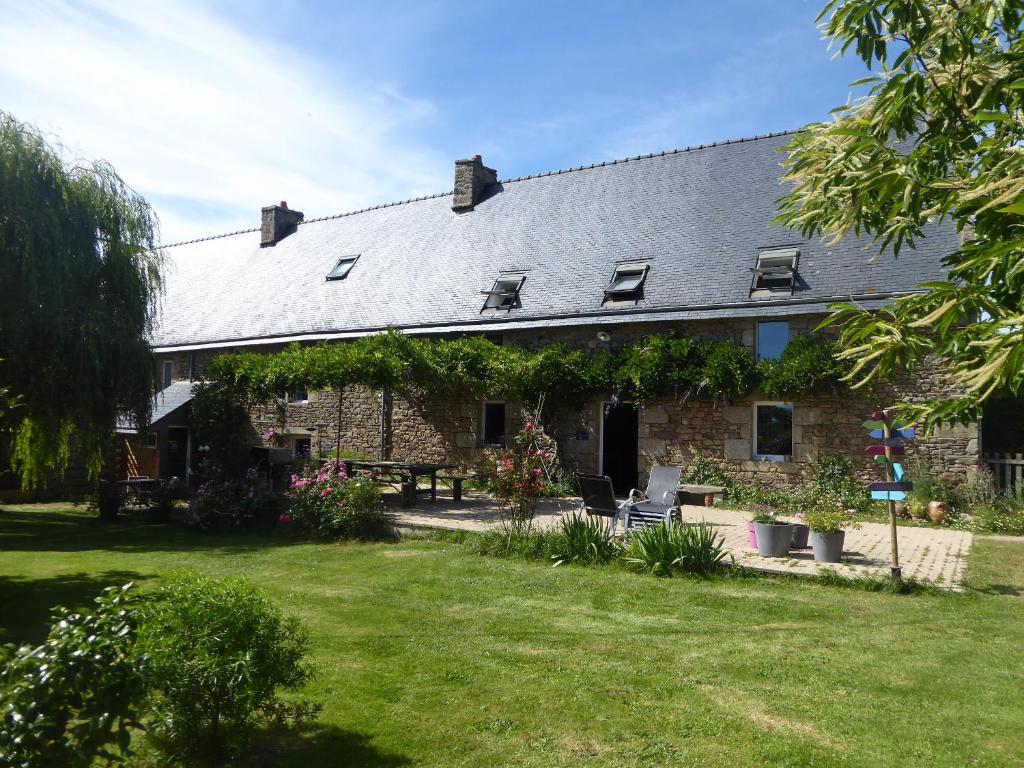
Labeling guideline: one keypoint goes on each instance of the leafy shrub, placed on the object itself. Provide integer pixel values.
(653, 549)
(832, 477)
(664, 549)
(585, 540)
(703, 471)
(528, 545)
(220, 651)
(1003, 515)
(67, 701)
(223, 503)
(326, 503)
(701, 548)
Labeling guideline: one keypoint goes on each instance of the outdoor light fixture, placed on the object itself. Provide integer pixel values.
(604, 337)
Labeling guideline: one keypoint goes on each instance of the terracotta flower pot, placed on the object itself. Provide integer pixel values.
(938, 511)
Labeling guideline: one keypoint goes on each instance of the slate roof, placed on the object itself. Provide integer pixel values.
(165, 402)
(698, 216)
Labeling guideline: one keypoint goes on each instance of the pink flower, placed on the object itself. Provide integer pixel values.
(284, 518)
(325, 493)
(529, 426)
(537, 472)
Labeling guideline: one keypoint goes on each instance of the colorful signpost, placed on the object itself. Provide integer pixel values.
(894, 488)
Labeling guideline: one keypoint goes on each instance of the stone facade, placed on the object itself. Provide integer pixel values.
(407, 427)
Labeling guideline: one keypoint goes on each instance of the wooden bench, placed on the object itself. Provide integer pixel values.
(704, 494)
(456, 483)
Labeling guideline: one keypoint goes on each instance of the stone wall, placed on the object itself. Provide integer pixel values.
(420, 428)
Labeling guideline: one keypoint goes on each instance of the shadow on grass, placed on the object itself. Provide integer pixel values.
(70, 531)
(27, 604)
(320, 746)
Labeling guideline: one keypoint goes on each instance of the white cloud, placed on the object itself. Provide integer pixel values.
(206, 121)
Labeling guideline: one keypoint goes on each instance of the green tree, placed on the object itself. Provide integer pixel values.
(80, 277)
(937, 137)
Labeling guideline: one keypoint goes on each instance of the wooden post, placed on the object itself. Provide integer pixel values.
(894, 570)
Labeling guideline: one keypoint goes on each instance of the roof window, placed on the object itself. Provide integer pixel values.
(627, 283)
(505, 293)
(343, 267)
(775, 272)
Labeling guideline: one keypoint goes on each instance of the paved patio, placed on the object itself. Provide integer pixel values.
(929, 554)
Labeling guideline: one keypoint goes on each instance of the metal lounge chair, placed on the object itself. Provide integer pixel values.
(659, 502)
(599, 498)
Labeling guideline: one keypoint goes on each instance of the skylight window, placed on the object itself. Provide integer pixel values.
(627, 283)
(775, 273)
(343, 267)
(505, 293)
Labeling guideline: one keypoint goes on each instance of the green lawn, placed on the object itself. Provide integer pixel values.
(430, 655)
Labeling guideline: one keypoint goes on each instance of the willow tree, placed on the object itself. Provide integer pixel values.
(939, 136)
(79, 276)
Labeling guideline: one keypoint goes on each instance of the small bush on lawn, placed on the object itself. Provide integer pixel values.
(327, 503)
(664, 549)
(532, 545)
(220, 652)
(74, 698)
(585, 540)
(224, 503)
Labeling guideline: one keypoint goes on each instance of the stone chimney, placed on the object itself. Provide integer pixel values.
(279, 221)
(472, 177)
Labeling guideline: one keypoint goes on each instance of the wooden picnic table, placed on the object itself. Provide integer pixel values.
(407, 472)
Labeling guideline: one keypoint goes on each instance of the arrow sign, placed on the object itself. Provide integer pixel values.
(906, 433)
(887, 486)
(879, 450)
(897, 471)
(888, 495)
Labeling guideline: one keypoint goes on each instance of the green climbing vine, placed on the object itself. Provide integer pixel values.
(473, 366)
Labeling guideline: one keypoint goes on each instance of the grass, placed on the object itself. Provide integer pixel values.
(430, 655)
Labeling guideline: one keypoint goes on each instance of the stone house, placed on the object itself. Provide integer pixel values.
(594, 257)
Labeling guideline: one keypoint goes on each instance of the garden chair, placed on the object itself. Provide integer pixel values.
(599, 498)
(658, 504)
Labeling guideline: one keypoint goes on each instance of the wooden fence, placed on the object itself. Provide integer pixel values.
(1007, 470)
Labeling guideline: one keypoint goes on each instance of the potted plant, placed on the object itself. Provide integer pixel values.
(774, 536)
(800, 531)
(761, 512)
(828, 521)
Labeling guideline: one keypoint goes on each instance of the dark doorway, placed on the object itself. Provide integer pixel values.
(177, 452)
(619, 452)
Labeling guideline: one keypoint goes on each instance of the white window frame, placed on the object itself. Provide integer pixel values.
(780, 260)
(483, 424)
(291, 401)
(773, 457)
(632, 295)
(146, 438)
(757, 337)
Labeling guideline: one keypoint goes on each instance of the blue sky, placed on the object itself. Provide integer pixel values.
(212, 110)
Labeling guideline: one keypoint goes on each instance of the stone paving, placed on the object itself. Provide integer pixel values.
(929, 554)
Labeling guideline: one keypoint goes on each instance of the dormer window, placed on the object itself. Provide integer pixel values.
(505, 293)
(627, 283)
(775, 273)
(343, 267)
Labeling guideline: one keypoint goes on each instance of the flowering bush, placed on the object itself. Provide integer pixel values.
(327, 503)
(829, 514)
(517, 478)
(221, 502)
